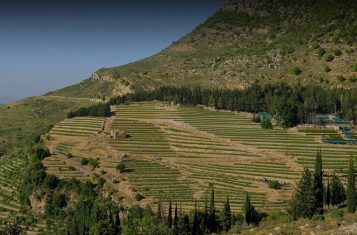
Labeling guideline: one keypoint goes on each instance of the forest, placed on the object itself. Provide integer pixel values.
(290, 105)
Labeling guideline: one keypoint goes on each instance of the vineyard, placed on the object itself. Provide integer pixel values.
(182, 153)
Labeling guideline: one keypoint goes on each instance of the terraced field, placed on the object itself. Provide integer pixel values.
(10, 178)
(56, 166)
(181, 153)
(79, 126)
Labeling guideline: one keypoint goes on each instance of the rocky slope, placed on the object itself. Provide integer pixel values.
(308, 41)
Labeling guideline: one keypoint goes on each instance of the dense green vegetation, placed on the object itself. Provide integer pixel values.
(22, 121)
(310, 197)
(97, 110)
(291, 105)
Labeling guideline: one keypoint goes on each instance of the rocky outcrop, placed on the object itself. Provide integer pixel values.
(102, 77)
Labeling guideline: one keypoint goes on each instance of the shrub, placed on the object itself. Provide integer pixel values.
(355, 68)
(94, 163)
(329, 58)
(266, 124)
(84, 161)
(256, 118)
(71, 168)
(352, 79)
(327, 69)
(120, 167)
(51, 181)
(139, 197)
(338, 52)
(341, 78)
(321, 52)
(297, 71)
(317, 217)
(274, 184)
(69, 155)
(316, 45)
(337, 213)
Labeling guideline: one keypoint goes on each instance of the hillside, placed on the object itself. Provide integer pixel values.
(313, 42)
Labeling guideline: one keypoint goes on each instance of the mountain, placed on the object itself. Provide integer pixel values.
(309, 42)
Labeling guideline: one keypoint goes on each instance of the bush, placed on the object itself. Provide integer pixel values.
(274, 184)
(341, 78)
(120, 167)
(321, 52)
(256, 118)
(329, 58)
(266, 124)
(317, 217)
(84, 161)
(51, 181)
(139, 197)
(352, 79)
(355, 68)
(337, 213)
(94, 163)
(327, 69)
(297, 71)
(338, 52)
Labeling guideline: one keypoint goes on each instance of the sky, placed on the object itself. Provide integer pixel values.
(47, 45)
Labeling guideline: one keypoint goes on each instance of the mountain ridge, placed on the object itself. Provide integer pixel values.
(310, 42)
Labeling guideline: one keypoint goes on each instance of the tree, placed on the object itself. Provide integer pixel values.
(211, 102)
(176, 220)
(318, 183)
(351, 188)
(247, 210)
(195, 223)
(338, 194)
(169, 217)
(266, 124)
(212, 223)
(305, 196)
(184, 225)
(227, 216)
(328, 194)
(159, 216)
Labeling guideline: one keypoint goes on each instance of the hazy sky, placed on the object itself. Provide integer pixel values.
(46, 45)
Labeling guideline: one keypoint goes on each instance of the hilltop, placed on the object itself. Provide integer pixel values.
(308, 42)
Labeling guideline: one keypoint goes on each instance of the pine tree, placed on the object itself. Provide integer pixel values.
(227, 216)
(338, 194)
(247, 209)
(328, 193)
(318, 184)
(169, 217)
(305, 196)
(351, 188)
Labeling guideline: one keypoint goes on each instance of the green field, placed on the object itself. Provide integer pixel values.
(182, 153)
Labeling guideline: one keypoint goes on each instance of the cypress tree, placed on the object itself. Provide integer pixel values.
(227, 216)
(338, 194)
(247, 209)
(351, 188)
(159, 211)
(212, 223)
(195, 223)
(305, 196)
(176, 219)
(169, 217)
(328, 193)
(318, 184)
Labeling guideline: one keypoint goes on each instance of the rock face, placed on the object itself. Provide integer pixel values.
(102, 77)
